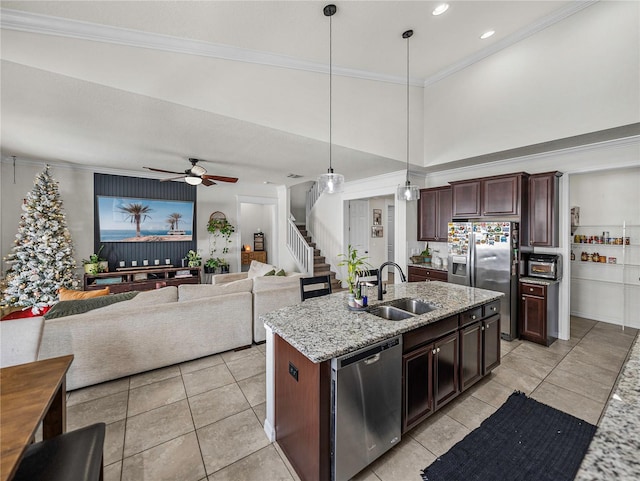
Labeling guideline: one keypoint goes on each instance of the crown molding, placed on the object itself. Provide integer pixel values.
(62, 27)
(551, 19)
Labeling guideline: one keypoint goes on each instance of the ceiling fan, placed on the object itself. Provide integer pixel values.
(195, 175)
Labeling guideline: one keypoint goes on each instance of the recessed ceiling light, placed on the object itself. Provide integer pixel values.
(487, 34)
(440, 9)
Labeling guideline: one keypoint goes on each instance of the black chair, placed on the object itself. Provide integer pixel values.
(72, 456)
(368, 278)
(314, 287)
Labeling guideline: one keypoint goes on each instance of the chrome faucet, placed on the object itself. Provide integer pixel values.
(388, 263)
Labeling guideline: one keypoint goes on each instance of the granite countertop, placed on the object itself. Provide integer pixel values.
(613, 452)
(323, 328)
(428, 266)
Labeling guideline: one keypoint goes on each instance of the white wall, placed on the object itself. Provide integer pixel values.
(580, 75)
(76, 191)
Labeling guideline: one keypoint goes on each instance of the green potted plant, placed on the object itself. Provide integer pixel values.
(426, 254)
(193, 258)
(355, 264)
(220, 228)
(95, 264)
(211, 265)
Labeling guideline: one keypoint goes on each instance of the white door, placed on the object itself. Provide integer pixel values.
(390, 233)
(359, 225)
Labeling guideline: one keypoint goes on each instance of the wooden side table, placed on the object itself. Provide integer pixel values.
(247, 257)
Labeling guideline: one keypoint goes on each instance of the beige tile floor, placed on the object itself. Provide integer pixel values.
(202, 420)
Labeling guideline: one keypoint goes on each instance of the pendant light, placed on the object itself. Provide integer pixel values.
(330, 183)
(407, 191)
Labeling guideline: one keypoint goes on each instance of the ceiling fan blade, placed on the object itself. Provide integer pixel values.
(173, 178)
(220, 178)
(161, 170)
(207, 182)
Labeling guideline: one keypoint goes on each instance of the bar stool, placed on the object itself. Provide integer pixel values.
(320, 286)
(72, 456)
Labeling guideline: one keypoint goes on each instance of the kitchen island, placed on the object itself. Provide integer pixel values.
(444, 351)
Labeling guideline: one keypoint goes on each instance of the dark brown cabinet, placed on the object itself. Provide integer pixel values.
(434, 213)
(142, 279)
(430, 375)
(490, 344)
(470, 354)
(538, 312)
(421, 274)
(466, 199)
(502, 195)
(543, 209)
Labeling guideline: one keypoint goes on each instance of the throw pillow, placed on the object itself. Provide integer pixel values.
(156, 296)
(80, 306)
(70, 294)
(258, 269)
(189, 292)
(281, 273)
(272, 272)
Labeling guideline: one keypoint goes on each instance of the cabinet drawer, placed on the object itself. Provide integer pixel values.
(491, 308)
(472, 315)
(428, 333)
(532, 289)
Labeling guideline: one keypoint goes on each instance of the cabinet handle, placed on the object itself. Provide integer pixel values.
(523, 298)
(531, 289)
(487, 326)
(438, 350)
(433, 352)
(473, 317)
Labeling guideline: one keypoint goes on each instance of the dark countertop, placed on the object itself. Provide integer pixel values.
(428, 266)
(324, 327)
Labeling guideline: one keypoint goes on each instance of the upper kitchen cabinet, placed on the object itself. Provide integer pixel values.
(503, 195)
(491, 196)
(466, 199)
(434, 214)
(543, 209)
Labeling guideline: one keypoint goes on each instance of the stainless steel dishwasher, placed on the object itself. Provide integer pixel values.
(366, 395)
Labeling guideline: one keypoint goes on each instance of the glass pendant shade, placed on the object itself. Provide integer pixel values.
(408, 192)
(193, 180)
(331, 183)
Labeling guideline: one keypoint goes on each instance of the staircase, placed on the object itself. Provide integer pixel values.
(320, 267)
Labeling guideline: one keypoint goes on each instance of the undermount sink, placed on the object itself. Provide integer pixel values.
(390, 313)
(401, 309)
(413, 305)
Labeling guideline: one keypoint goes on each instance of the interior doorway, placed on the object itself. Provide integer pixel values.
(258, 215)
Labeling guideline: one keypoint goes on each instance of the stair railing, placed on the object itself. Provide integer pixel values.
(312, 196)
(301, 251)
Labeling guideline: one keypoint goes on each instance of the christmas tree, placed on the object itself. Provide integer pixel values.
(42, 257)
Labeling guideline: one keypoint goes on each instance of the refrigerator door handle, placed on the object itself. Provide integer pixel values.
(472, 259)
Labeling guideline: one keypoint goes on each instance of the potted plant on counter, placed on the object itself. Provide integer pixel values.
(193, 259)
(355, 264)
(211, 265)
(95, 264)
(426, 254)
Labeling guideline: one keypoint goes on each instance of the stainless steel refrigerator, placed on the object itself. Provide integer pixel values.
(485, 255)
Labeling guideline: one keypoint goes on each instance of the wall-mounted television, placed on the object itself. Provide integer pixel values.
(128, 219)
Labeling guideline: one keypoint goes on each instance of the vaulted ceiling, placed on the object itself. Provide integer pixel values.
(242, 84)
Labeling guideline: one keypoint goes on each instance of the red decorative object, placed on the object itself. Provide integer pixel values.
(25, 313)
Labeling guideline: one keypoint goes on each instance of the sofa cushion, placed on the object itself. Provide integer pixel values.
(259, 269)
(70, 294)
(281, 273)
(275, 282)
(157, 296)
(79, 306)
(188, 292)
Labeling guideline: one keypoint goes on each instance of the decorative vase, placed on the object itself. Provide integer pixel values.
(427, 260)
(91, 268)
(351, 299)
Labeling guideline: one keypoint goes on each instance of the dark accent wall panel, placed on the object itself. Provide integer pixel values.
(122, 186)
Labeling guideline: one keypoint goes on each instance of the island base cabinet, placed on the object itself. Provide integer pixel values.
(490, 344)
(302, 411)
(470, 355)
(430, 379)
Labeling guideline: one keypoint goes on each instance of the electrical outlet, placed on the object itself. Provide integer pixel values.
(293, 371)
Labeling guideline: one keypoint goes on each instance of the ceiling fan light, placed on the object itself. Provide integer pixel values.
(408, 192)
(331, 183)
(191, 180)
(440, 9)
(198, 170)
